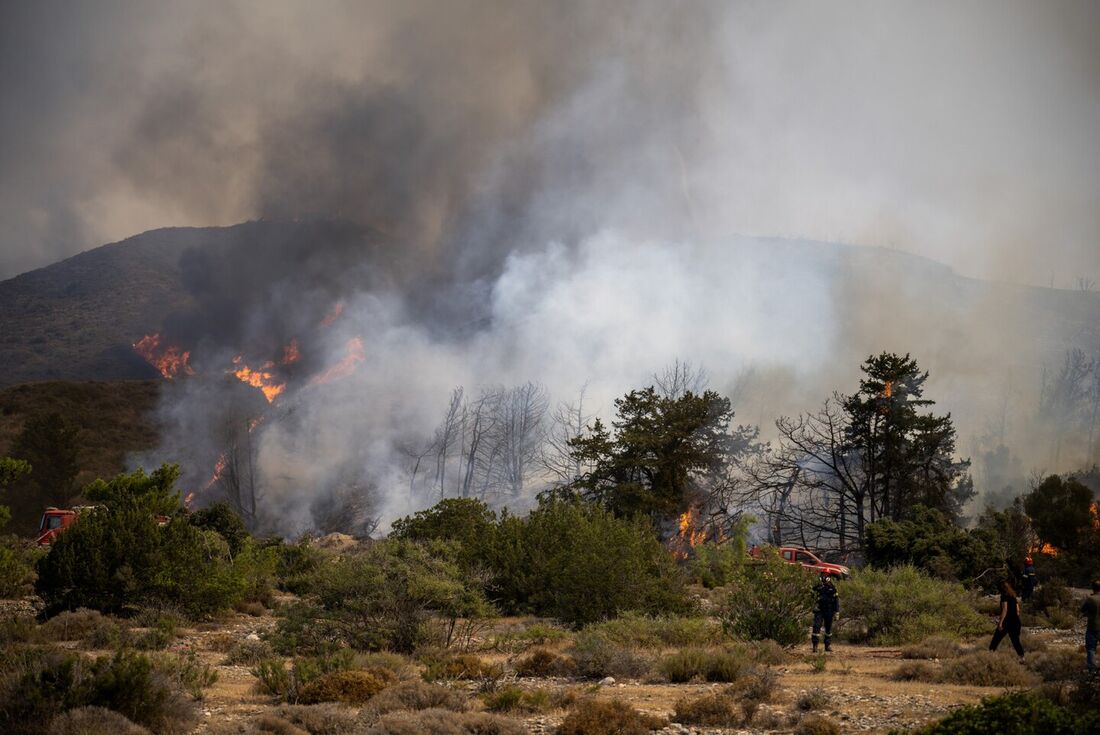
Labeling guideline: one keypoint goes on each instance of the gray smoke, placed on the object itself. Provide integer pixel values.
(541, 191)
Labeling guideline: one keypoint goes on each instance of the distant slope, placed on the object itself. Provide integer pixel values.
(78, 319)
(114, 418)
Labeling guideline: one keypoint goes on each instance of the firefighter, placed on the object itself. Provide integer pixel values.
(1029, 578)
(826, 607)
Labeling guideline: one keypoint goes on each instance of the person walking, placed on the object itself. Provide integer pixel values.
(1091, 609)
(1009, 621)
(826, 608)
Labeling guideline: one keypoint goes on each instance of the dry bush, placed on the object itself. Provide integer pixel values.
(1056, 664)
(221, 642)
(248, 653)
(265, 724)
(814, 699)
(643, 631)
(757, 684)
(93, 721)
(816, 725)
(536, 634)
(597, 657)
(717, 708)
(987, 668)
(349, 687)
(252, 608)
(320, 719)
(1059, 618)
(544, 662)
(515, 699)
(768, 652)
(462, 666)
(75, 625)
(608, 717)
(445, 722)
(916, 671)
(697, 663)
(400, 665)
(934, 647)
(415, 695)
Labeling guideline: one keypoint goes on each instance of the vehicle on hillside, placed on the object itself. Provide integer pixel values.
(805, 557)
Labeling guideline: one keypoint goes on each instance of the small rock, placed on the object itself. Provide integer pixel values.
(252, 637)
(607, 681)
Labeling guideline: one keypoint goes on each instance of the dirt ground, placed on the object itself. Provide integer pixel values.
(861, 697)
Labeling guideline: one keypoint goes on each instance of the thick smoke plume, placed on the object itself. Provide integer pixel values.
(497, 193)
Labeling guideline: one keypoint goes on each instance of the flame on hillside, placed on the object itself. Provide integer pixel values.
(1048, 549)
(263, 378)
(291, 354)
(169, 361)
(354, 353)
(690, 534)
(333, 315)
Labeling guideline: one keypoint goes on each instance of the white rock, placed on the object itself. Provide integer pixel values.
(607, 681)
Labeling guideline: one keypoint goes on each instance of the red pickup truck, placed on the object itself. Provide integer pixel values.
(796, 555)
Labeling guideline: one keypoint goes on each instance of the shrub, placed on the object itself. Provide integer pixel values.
(1019, 713)
(706, 665)
(987, 668)
(607, 717)
(931, 542)
(464, 666)
(816, 725)
(93, 721)
(769, 600)
(305, 628)
(467, 521)
(1052, 595)
(187, 671)
(515, 699)
(642, 631)
(157, 637)
(935, 647)
(767, 652)
(717, 565)
(904, 605)
(319, 719)
(1060, 618)
(398, 665)
(274, 678)
(444, 722)
(916, 671)
(248, 653)
(544, 662)
(295, 565)
(579, 563)
(117, 559)
(384, 597)
(220, 517)
(73, 625)
(757, 684)
(415, 695)
(717, 708)
(40, 685)
(811, 700)
(1056, 664)
(349, 687)
(597, 656)
(537, 634)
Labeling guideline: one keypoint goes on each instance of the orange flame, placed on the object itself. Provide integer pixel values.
(354, 354)
(188, 498)
(1095, 513)
(290, 353)
(219, 468)
(689, 535)
(333, 315)
(888, 389)
(263, 378)
(1049, 550)
(169, 362)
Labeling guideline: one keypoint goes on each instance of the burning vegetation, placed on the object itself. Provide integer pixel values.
(169, 360)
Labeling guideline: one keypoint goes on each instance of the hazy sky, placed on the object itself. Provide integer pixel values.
(964, 131)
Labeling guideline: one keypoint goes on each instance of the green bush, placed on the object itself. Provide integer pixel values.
(384, 598)
(581, 564)
(515, 699)
(536, 634)
(220, 517)
(296, 564)
(931, 542)
(1019, 713)
(467, 521)
(17, 565)
(597, 656)
(462, 666)
(769, 600)
(118, 559)
(40, 685)
(904, 605)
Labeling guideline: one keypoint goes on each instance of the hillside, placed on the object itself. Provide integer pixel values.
(114, 418)
(79, 318)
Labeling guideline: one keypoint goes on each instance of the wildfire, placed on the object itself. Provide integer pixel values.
(219, 468)
(1095, 513)
(354, 353)
(290, 353)
(264, 378)
(188, 498)
(169, 361)
(333, 315)
(689, 536)
(888, 389)
(1049, 550)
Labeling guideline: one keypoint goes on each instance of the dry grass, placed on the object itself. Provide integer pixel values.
(934, 648)
(445, 722)
(718, 708)
(415, 695)
(816, 725)
(349, 687)
(544, 662)
(94, 721)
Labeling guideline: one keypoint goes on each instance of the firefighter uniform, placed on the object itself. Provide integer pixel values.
(826, 607)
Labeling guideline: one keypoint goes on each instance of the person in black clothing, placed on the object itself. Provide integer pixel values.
(825, 609)
(1009, 621)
